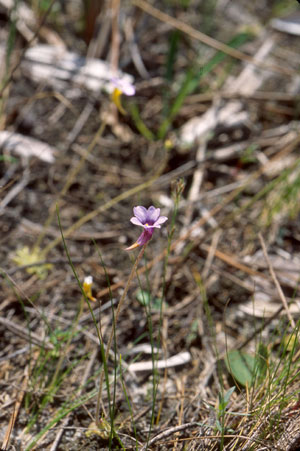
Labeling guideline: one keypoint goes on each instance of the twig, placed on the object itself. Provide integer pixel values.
(275, 280)
(60, 433)
(196, 34)
(115, 35)
(211, 254)
(29, 336)
(54, 261)
(233, 261)
(19, 399)
(79, 124)
(179, 359)
(198, 173)
(17, 189)
(169, 432)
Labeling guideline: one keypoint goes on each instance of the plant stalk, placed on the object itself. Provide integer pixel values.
(115, 319)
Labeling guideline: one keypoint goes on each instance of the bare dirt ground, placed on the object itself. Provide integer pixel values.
(232, 141)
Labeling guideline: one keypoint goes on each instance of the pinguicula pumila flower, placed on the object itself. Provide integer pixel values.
(124, 86)
(121, 87)
(150, 220)
(87, 287)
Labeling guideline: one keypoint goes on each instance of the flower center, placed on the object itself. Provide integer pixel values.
(149, 225)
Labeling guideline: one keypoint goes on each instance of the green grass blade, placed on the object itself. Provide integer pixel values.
(138, 122)
(192, 79)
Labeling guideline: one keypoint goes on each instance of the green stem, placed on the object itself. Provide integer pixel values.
(115, 318)
(63, 355)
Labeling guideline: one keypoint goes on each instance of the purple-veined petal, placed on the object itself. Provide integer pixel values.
(152, 214)
(160, 221)
(136, 221)
(140, 213)
(150, 220)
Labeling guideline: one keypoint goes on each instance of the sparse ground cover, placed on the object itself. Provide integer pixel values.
(190, 340)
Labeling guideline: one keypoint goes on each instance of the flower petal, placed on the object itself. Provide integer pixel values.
(160, 221)
(140, 213)
(128, 89)
(124, 86)
(88, 280)
(136, 221)
(152, 214)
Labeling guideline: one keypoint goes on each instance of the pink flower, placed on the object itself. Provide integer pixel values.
(149, 219)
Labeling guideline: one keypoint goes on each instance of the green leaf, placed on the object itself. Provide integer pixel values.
(241, 366)
(138, 122)
(172, 54)
(192, 79)
(8, 158)
(262, 357)
(219, 427)
(228, 395)
(223, 401)
(145, 298)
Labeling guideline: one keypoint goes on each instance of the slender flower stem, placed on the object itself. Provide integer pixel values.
(116, 316)
(67, 345)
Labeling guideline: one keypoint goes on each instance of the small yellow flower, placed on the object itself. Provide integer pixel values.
(87, 288)
(103, 431)
(169, 144)
(25, 256)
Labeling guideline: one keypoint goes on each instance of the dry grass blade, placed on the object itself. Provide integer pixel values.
(196, 34)
(275, 280)
(19, 394)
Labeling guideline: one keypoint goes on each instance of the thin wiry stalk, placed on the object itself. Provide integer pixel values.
(116, 316)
